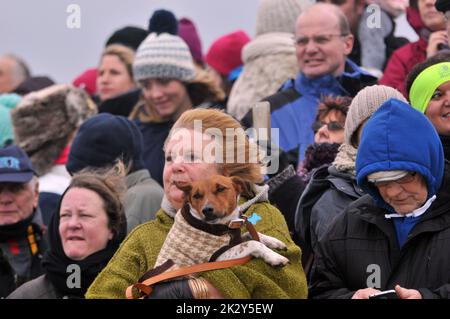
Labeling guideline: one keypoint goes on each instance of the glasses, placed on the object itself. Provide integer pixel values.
(404, 180)
(331, 126)
(317, 39)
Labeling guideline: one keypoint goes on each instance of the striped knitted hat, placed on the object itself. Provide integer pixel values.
(163, 56)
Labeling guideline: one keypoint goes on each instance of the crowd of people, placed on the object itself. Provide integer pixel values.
(93, 173)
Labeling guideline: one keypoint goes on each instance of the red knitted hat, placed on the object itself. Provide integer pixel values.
(87, 81)
(224, 55)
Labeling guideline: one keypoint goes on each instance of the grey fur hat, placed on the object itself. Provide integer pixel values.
(45, 120)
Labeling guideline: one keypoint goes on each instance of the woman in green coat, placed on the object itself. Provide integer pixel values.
(192, 153)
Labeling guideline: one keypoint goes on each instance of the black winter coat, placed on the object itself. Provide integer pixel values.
(362, 237)
(328, 193)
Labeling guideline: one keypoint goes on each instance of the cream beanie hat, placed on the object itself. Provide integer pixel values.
(364, 104)
(279, 15)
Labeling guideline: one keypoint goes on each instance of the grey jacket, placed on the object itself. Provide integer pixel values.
(142, 199)
(39, 288)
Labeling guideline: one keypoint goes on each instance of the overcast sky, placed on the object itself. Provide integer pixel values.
(38, 32)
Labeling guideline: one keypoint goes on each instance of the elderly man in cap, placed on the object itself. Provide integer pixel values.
(444, 6)
(21, 231)
(397, 236)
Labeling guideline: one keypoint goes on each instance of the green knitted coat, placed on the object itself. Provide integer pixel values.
(256, 279)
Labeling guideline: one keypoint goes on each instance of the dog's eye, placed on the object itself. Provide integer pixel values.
(220, 189)
(197, 196)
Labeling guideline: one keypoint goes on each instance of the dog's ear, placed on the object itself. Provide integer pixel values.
(241, 186)
(225, 172)
(186, 188)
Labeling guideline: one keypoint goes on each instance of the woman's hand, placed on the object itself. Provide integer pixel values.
(436, 38)
(194, 288)
(213, 293)
(365, 293)
(176, 289)
(404, 293)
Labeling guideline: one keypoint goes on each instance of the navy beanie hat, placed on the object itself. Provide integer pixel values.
(102, 140)
(129, 36)
(163, 21)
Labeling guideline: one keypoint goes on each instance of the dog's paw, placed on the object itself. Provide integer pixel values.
(277, 260)
(272, 242)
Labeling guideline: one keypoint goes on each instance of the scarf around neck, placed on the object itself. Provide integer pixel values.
(18, 230)
(345, 159)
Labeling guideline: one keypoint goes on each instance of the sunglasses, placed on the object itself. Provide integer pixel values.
(331, 126)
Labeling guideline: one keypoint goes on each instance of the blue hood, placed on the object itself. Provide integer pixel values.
(397, 137)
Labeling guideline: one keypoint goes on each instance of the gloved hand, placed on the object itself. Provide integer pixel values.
(176, 289)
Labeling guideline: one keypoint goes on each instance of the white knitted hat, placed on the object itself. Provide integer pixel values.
(364, 104)
(279, 15)
(163, 56)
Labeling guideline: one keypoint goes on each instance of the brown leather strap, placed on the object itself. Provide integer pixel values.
(251, 229)
(145, 286)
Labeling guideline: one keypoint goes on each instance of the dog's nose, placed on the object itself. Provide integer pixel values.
(208, 211)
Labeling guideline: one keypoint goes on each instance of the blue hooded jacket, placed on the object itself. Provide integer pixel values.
(398, 137)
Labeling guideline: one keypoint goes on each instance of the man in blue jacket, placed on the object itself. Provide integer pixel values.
(323, 41)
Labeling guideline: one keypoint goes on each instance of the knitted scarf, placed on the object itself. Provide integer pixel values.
(268, 44)
(345, 159)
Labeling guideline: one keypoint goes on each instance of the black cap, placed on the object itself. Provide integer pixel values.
(129, 36)
(442, 5)
(15, 166)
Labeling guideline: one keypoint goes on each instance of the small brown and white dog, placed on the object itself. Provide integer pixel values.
(205, 228)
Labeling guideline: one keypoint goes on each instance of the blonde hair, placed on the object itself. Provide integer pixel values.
(124, 54)
(249, 171)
